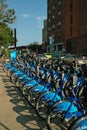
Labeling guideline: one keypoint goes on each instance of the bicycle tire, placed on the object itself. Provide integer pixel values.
(58, 114)
(79, 123)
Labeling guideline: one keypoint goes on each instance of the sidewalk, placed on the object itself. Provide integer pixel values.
(15, 113)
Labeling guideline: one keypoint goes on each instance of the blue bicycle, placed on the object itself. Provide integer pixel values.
(42, 102)
(67, 110)
(48, 85)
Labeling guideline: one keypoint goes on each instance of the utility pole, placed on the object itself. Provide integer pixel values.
(15, 38)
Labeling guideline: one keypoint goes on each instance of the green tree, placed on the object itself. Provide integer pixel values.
(6, 35)
(6, 15)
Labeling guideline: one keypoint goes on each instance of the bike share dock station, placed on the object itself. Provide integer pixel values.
(59, 102)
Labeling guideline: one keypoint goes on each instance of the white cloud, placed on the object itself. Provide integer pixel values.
(25, 15)
(40, 20)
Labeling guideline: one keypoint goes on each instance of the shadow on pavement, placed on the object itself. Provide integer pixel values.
(26, 114)
(3, 126)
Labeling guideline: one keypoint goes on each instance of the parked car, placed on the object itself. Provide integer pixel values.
(81, 60)
(44, 56)
(48, 55)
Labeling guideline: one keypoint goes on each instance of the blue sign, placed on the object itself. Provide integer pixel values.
(13, 55)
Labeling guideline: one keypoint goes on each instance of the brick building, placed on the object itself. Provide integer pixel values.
(67, 26)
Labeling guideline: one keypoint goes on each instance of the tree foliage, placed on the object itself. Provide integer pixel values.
(6, 35)
(7, 16)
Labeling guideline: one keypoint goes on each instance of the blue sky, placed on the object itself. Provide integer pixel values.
(29, 23)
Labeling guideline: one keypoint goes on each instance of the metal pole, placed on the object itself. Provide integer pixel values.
(15, 38)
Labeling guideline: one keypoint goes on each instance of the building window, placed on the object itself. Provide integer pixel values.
(49, 12)
(53, 7)
(53, 26)
(59, 23)
(49, 20)
(59, 13)
(49, 28)
(59, 47)
(59, 2)
(53, 17)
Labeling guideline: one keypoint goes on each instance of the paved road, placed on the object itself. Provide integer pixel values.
(15, 113)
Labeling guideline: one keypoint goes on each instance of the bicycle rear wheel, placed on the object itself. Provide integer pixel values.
(32, 98)
(79, 124)
(56, 115)
(82, 96)
(41, 108)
